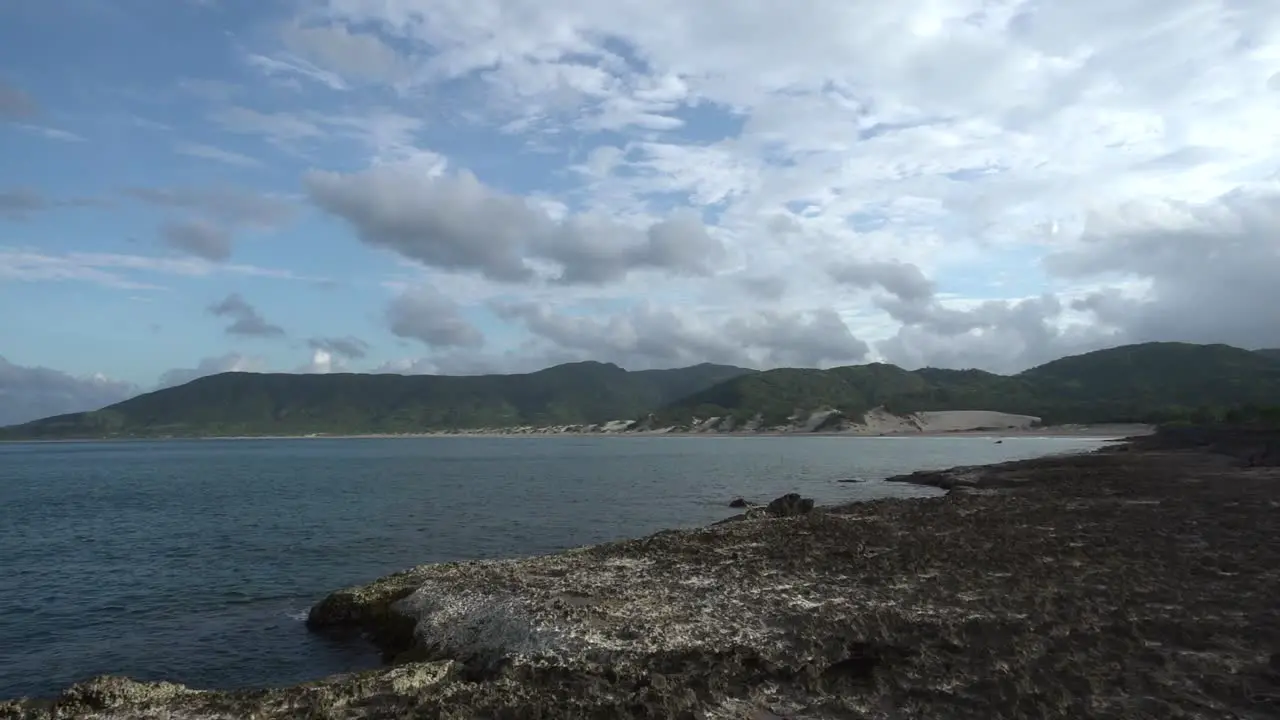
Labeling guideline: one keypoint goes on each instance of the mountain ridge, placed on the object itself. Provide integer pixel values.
(1147, 382)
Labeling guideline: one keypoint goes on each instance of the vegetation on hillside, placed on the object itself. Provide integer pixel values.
(1271, 353)
(233, 404)
(1151, 382)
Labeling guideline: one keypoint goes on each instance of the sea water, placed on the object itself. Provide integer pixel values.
(196, 561)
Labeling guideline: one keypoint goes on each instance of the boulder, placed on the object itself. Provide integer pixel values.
(790, 505)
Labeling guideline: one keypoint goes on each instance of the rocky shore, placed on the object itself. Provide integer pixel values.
(1137, 582)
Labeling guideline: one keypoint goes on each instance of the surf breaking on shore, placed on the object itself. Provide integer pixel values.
(1131, 582)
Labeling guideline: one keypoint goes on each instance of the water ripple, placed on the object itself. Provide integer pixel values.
(196, 561)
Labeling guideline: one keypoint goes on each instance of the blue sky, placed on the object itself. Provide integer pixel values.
(196, 186)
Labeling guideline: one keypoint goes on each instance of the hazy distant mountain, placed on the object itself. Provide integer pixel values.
(1272, 353)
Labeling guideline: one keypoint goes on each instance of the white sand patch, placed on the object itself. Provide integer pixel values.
(881, 422)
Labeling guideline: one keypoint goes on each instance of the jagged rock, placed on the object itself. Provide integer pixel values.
(790, 505)
(108, 692)
(738, 503)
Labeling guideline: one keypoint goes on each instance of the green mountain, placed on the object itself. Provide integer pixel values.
(233, 404)
(1150, 382)
(1271, 353)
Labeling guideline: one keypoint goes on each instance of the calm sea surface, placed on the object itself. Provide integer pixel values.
(196, 561)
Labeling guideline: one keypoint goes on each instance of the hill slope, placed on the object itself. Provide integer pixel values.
(1135, 383)
(265, 404)
(1270, 353)
(1151, 382)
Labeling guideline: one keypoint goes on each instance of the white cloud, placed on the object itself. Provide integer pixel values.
(964, 138)
(231, 362)
(322, 363)
(956, 182)
(208, 152)
(50, 133)
(358, 55)
(117, 270)
(455, 222)
(31, 393)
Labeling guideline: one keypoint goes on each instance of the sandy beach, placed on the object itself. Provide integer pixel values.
(876, 423)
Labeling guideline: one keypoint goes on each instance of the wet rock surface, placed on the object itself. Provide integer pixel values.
(1133, 584)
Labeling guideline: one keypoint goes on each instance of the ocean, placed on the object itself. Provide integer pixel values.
(196, 561)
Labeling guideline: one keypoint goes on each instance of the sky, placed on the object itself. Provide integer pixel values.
(438, 186)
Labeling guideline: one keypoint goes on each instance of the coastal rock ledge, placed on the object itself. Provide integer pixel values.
(1111, 585)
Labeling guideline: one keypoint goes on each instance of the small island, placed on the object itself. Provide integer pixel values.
(1135, 581)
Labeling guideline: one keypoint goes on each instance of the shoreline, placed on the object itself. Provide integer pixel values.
(1101, 431)
(1154, 556)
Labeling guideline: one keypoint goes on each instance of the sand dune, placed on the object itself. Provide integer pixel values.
(882, 422)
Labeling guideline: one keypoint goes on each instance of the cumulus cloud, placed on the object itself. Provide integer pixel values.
(922, 149)
(955, 182)
(1159, 270)
(998, 335)
(455, 222)
(322, 363)
(246, 320)
(234, 207)
(764, 287)
(349, 56)
(351, 348)
(30, 393)
(214, 215)
(1209, 269)
(650, 336)
(198, 237)
(432, 318)
(231, 362)
(904, 280)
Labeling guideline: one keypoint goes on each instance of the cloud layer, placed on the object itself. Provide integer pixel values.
(28, 393)
(503, 184)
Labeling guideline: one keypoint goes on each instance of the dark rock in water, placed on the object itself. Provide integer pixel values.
(790, 505)
(738, 503)
(1016, 604)
(852, 480)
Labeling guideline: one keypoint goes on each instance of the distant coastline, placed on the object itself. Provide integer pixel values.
(1153, 383)
(1100, 431)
